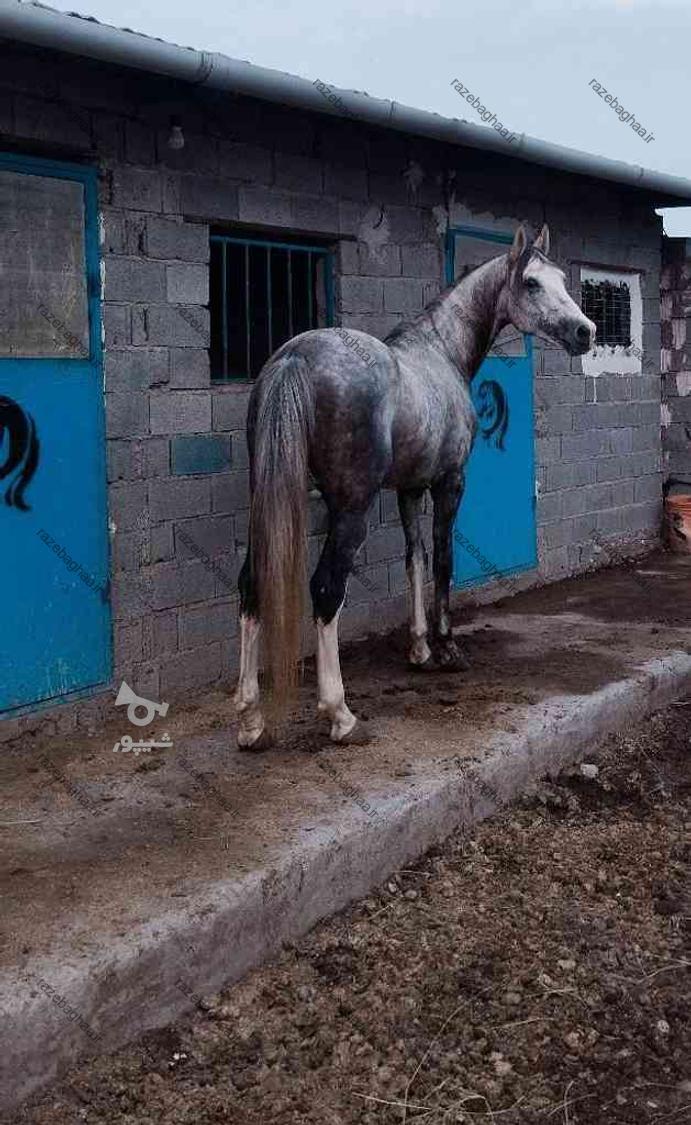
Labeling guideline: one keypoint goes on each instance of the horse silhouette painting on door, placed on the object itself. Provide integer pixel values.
(405, 421)
(19, 452)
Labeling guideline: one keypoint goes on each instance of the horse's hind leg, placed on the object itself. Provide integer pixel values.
(252, 734)
(347, 531)
(446, 494)
(409, 504)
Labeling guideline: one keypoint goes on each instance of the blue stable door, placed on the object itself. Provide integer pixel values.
(54, 591)
(495, 531)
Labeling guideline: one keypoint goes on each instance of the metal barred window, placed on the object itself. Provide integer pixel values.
(261, 294)
(608, 305)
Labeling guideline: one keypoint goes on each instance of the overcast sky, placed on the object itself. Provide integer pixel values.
(530, 61)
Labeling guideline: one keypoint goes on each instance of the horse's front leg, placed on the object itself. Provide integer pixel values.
(347, 531)
(447, 492)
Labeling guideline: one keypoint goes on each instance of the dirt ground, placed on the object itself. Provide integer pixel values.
(535, 970)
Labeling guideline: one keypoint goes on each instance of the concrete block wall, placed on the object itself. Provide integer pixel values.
(177, 458)
(675, 316)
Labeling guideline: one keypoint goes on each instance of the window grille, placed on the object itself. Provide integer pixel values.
(261, 294)
(608, 305)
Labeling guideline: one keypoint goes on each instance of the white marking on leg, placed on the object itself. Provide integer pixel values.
(331, 694)
(247, 694)
(419, 649)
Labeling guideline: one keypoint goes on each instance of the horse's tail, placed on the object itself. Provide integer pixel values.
(278, 517)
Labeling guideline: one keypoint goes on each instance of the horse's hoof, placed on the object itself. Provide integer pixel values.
(263, 742)
(359, 735)
(450, 658)
(427, 665)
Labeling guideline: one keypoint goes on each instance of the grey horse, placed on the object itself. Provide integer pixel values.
(358, 415)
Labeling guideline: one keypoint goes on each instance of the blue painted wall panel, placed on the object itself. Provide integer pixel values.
(495, 532)
(54, 565)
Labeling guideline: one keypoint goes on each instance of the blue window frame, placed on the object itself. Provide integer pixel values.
(263, 293)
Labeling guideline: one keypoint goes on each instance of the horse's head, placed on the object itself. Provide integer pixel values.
(535, 297)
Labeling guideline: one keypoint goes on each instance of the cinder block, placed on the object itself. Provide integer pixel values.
(189, 368)
(140, 459)
(68, 124)
(402, 295)
(135, 369)
(176, 499)
(190, 670)
(556, 420)
(165, 238)
(368, 584)
(621, 493)
(140, 143)
(128, 643)
(573, 502)
(266, 206)
(567, 475)
(362, 294)
(557, 534)
(240, 161)
(345, 181)
(178, 584)
(621, 441)
(385, 261)
(559, 390)
(316, 214)
(378, 325)
(610, 468)
(406, 225)
(549, 507)
(385, 543)
(398, 579)
(239, 452)
(129, 551)
(230, 408)
(204, 535)
(301, 174)
(548, 450)
(164, 632)
(648, 488)
(422, 260)
(127, 414)
(230, 491)
(139, 189)
(177, 326)
(176, 412)
(162, 545)
(199, 453)
(187, 284)
(202, 625)
(117, 325)
(112, 231)
(209, 198)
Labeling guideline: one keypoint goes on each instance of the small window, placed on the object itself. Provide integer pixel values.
(261, 294)
(608, 305)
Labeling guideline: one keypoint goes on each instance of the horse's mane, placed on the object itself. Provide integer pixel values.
(417, 318)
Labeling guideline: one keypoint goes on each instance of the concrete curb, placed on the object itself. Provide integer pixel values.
(62, 1011)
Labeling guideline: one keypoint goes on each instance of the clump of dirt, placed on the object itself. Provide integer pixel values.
(535, 970)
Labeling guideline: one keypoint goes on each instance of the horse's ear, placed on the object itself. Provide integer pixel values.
(518, 246)
(541, 243)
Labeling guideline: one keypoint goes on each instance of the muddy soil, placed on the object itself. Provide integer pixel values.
(535, 970)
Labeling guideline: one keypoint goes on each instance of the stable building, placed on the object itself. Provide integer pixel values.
(169, 217)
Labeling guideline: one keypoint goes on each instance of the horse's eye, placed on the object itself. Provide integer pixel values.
(532, 283)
